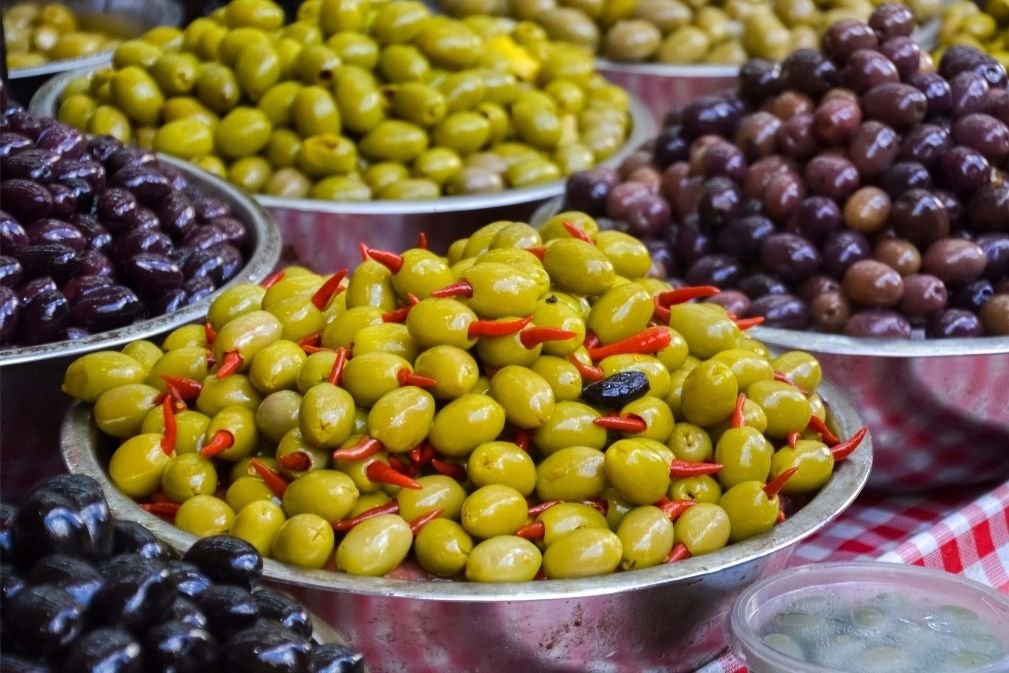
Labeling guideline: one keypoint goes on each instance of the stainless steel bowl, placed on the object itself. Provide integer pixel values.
(123, 18)
(324, 234)
(30, 375)
(938, 409)
(667, 619)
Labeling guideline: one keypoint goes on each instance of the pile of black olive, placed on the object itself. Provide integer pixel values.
(81, 592)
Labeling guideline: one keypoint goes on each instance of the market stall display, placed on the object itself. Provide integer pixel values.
(84, 591)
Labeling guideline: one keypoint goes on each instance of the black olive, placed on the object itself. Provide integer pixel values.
(42, 620)
(136, 592)
(12, 663)
(187, 578)
(617, 390)
(335, 658)
(184, 610)
(77, 577)
(105, 650)
(227, 560)
(279, 607)
(7, 513)
(229, 609)
(11, 585)
(267, 647)
(131, 538)
(87, 494)
(48, 523)
(175, 647)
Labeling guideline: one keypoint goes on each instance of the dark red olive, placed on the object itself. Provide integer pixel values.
(43, 317)
(25, 200)
(207, 236)
(715, 115)
(988, 208)
(65, 200)
(780, 310)
(11, 272)
(996, 251)
(10, 314)
(146, 183)
(845, 37)
(20, 121)
(207, 208)
(49, 259)
(129, 156)
(87, 170)
(178, 217)
(953, 323)
(103, 147)
(809, 72)
(79, 286)
(106, 308)
(50, 230)
(94, 263)
(117, 210)
(964, 170)
(135, 242)
(759, 80)
(62, 140)
(900, 106)
(758, 284)
(152, 274)
(12, 235)
(969, 93)
(34, 164)
(878, 324)
(12, 143)
(36, 286)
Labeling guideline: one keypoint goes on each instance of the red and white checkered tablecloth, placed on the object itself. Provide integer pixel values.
(962, 532)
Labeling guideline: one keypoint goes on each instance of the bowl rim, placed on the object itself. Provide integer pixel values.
(839, 344)
(643, 127)
(78, 439)
(745, 643)
(266, 242)
(171, 15)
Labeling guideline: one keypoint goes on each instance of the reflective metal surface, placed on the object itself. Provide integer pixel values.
(938, 408)
(667, 619)
(324, 234)
(264, 243)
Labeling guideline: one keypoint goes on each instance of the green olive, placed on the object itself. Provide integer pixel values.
(354, 49)
(247, 334)
(341, 332)
(187, 475)
(294, 442)
(244, 490)
(220, 393)
(185, 138)
(136, 94)
(698, 489)
(313, 112)
(143, 351)
(526, 396)
(120, 411)
(504, 558)
(465, 423)
(394, 140)
(341, 15)
(257, 69)
(402, 418)
(305, 540)
(621, 312)
(90, 375)
(786, 408)
(186, 336)
(815, 463)
(240, 423)
(326, 493)
(137, 465)
(703, 528)
(276, 102)
(326, 418)
(578, 267)
(217, 88)
(258, 523)
(504, 463)
(750, 511)
(204, 515)
(639, 472)
(234, 302)
(570, 424)
(242, 132)
(278, 414)
(361, 104)
(586, 552)
(745, 455)
(371, 285)
(442, 547)
(436, 492)
(691, 443)
(801, 368)
(493, 510)
(562, 376)
(573, 473)
(189, 362)
(709, 393)
(707, 333)
(386, 338)
(747, 366)
(453, 368)
(647, 536)
(375, 546)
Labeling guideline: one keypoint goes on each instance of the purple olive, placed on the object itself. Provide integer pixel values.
(231, 262)
(996, 252)
(758, 284)
(78, 286)
(12, 235)
(129, 156)
(31, 289)
(146, 183)
(103, 147)
(207, 208)
(65, 200)
(208, 236)
(10, 312)
(26, 200)
(43, 318)
(742, 236)
(19, 121)
(50, 230)
(878, 324)
(152, 274)
(107, 308)
(97, 236)
(94, 263)
(953, 323)
(11, 273)
(34, 164)
(49, 259)
(87, 170)
(12, 143)
(719, 270)
(789, 256)
(780, 310)
(237, 234)
(178, 217)
(198, 288)
(843, 248)
(169, 302)
(63, 140)
(117, 210)
(139, 241)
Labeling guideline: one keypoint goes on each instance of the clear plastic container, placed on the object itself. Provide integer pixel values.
(869, 617)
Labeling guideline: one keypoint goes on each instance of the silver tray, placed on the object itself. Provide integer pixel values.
(324, 234)
(264, 241)
(667, 619)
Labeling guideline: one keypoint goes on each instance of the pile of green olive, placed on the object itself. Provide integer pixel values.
(527, 404)
(685, 31)
(985, 27)
(357, 100)
(36, 34)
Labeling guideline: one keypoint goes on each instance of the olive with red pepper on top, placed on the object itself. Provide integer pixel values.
(83, 592)
(857, 189)
(530, 403)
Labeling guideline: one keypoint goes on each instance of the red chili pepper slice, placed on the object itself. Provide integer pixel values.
(230, 364)
(408, 378)
(310, 343)
(536, 510)
(425, 519)
(599, 504)
(274, 481)
(685, 294)
(588, 372)
(328, 290)
(165, 509)
(454, 470)
(660, 313)
(532, 531)
(746, 323)
(272, 279)
(494, 328)
(793, 438)
(538, 250)
(534, 336)
(674, 508)
(650, 340)
(682, 468)
(391, 507)
(336, 373)
(209, 332)
(219, 443)
(383, 473)
(460, 288)
(774, 486)
(171, 430)
(386, 258)
(187, 389)
(365, 447)
(299, 461)
(577, 232)
(679, 552)
(629, 423)
(816, 424)
(422, 240)
(521, 439)
(591, 340)
(738, 420)
(847, 447)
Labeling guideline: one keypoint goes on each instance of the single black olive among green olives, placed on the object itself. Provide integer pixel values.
(617, 390)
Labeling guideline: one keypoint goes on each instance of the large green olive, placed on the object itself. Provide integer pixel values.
(326, 418)
(465, 423)
(327, 493)
(505, 558)
(402, 418)
(493, 510)
(578, 267)
(526, 397)
(573, 473)
(639, 472)
(502, 463)
(436, 492)
(709, 393)
(647, 536)
(584, 553)
(442, 547)
(90, 375)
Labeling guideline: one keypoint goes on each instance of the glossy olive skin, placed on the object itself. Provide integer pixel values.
(704, 528)
(402, 418)
(465, 423)
(698, 489)
(186, 475)
(745, 455)
(436, 492)
(574, 473)
(583, 553)
(442, 547)
(137, 465)
(493, 510)
(621, 312)
(375, 546)
(749, 509)
(326, 493)
(815, 463)
(453, 368)
(705, 331)
(504, 558)
(570, 424)
(93, 374)
(304, 540)
(638, 471)
(786, 408)
(204, 516)
(647, 536)
(709, 393)
(525, 396)
(326, 418)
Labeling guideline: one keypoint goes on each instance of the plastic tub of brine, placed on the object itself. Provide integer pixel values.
(870, 618)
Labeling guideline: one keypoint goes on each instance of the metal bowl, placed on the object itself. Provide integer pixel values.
(938, 408)
(324, 234)
(667, 619)
(123, 18)
(30, 375)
